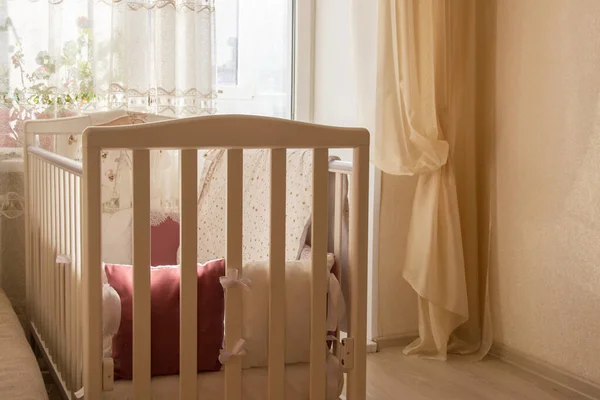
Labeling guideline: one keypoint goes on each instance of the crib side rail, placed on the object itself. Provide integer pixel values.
(54, 259)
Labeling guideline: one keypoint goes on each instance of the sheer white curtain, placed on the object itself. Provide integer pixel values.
(425, 127)
(63, 57)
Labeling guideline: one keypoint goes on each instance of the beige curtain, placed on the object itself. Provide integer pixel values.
(425, 127)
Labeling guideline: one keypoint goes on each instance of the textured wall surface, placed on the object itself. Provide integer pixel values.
(397, 300)
(546, 263)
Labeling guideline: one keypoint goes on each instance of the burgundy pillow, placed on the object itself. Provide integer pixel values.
(165, 242)
(164, 332)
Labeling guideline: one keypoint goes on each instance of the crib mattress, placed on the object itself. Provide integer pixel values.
(211, 385)
(20, 376)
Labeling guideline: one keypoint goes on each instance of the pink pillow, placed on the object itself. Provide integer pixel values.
(164, 332)
(165, 243)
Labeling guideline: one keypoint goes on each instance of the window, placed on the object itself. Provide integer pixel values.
(254, 57)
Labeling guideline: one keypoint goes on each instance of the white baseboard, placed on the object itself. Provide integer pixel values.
(371, 347)
(395, 340)
(519, 360)
(546, 371)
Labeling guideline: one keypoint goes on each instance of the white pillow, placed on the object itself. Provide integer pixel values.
(111, 317)
(255, 311)
(117, 237)
(116, 249)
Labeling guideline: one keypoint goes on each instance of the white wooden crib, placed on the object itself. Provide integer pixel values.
(64, 217)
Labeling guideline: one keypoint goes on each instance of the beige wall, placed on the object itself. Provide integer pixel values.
(397, 301)
(546, 262)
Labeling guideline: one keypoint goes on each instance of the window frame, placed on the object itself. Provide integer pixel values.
(245, 88)
(303, 58)
(303, 45)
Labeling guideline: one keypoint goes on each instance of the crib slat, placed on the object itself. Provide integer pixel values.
(318, 349)
(189, 288)
(233, 298)
(79, 282)
(64, 277)
(51, 264)
(46, 234)
(337, 219)
(38, 241)
(338, 211)
(42, 256)
(32, 203)
(61, 271)
(141, 274)
(52, 270)
(55, 267)
(28, 215)
(92, 278)
(68, 276)
(357, 386)
(33, 200)
(47, 244)
(42, 247)
(74, 284)
(60, 249)
(277, 298)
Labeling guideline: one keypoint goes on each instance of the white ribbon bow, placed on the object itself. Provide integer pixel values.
(333, 339)
(238, 350)
(231, 280)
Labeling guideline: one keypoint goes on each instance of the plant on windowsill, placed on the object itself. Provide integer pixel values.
(55, 88)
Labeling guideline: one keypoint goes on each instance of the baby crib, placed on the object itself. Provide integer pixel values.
(64, 217)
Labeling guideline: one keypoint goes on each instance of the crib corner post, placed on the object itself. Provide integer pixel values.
(357, 376)
(92, 278)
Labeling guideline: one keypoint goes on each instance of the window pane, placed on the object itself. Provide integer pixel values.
(255, 57)
(227, 49)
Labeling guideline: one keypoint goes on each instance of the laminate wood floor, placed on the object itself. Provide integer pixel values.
(392, 376)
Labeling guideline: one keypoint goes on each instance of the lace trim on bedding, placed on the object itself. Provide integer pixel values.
(158, 217)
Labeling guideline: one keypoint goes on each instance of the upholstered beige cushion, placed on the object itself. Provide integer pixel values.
(20, 376)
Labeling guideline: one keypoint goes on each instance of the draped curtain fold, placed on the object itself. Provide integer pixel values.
(63, 57)
(424, 118)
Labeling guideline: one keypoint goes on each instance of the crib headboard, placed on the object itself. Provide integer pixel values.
(188, 135)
